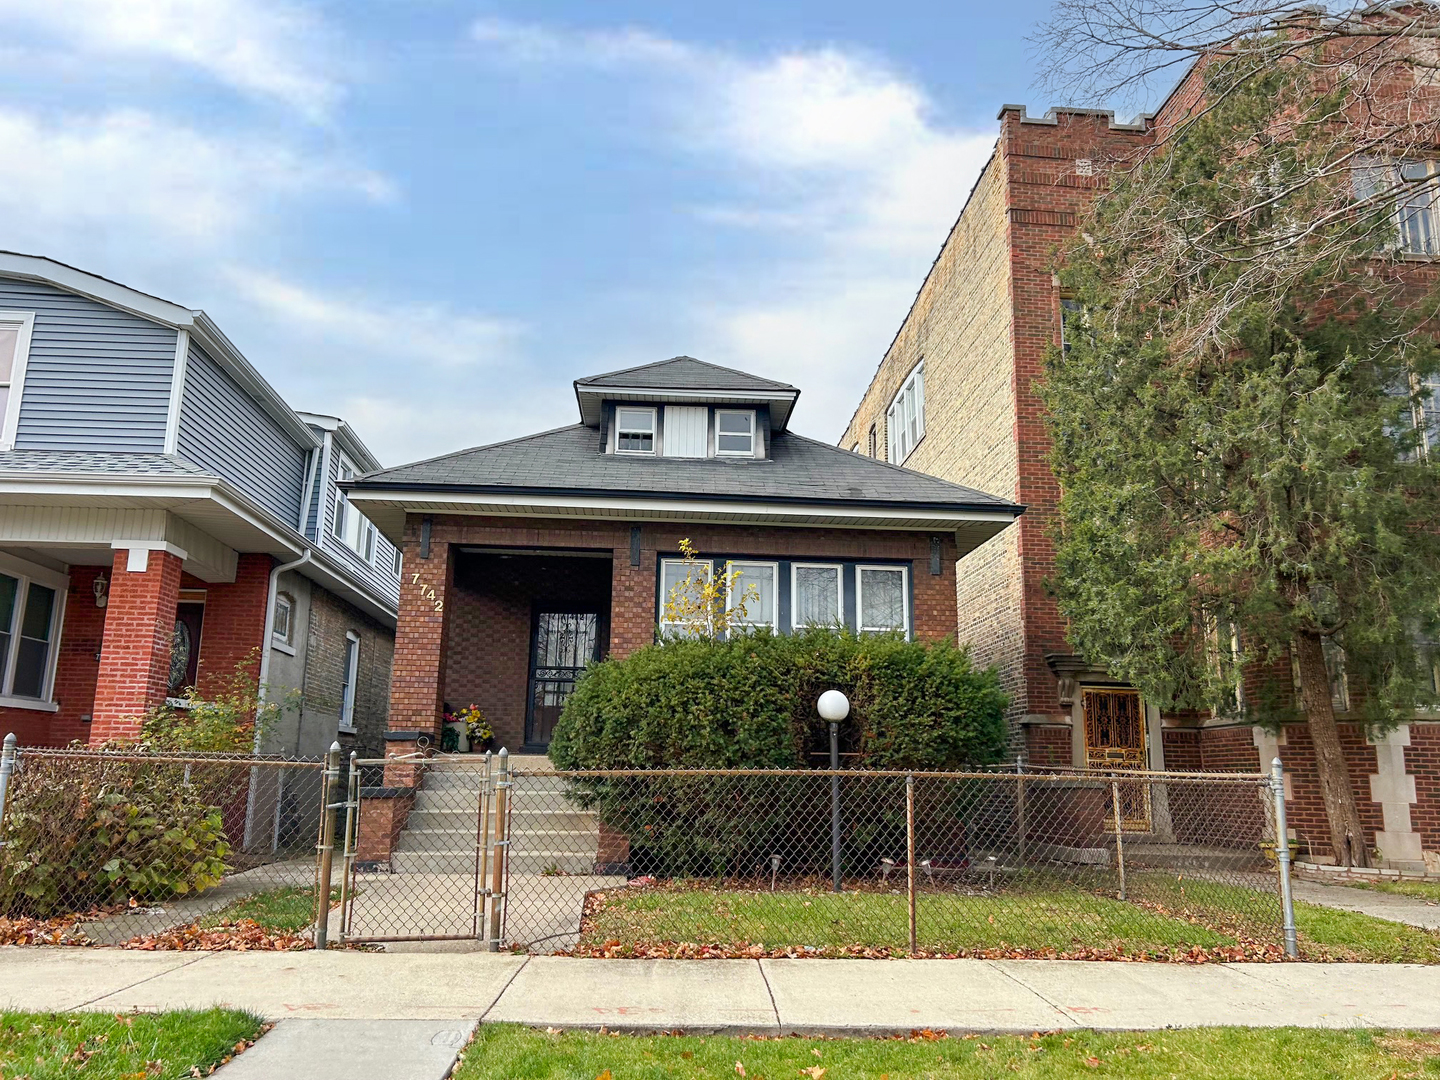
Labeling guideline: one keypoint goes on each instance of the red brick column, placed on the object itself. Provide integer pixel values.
(135, 649)
(417, 682)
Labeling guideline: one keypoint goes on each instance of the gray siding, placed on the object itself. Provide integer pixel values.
(376, 576)
(226, 431)
(98, 378)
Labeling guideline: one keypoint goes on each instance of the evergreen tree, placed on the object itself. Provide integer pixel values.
(1234, 425)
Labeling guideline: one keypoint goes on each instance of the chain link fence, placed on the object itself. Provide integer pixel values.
(107, 847)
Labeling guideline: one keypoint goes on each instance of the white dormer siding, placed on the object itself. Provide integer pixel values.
(686, 431)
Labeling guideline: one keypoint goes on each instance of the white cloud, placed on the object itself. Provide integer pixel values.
(66, 179)
(430, 334)
(264, 48)
(837, 156)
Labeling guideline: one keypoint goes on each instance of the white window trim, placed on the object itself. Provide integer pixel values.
(795, 623)
(284, 642)
(664, 624)
(397, 562)
(654, 432)
(918, 371)
(26, 573)
(860, 626)
(347, 690)
(11, 420)
(750, 415)
(730, 564)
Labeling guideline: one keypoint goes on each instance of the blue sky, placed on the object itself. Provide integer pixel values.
(430, 216)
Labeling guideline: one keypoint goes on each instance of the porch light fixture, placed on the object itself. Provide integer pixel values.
(101, 588)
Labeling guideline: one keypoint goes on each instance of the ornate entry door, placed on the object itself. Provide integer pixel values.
(562, 644)
(1115, 739)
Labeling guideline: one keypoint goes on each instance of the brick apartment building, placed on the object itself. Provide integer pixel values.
(953, 397)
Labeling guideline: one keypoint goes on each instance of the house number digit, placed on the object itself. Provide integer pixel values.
(427, 592)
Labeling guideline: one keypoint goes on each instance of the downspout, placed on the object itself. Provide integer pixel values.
(265, 651)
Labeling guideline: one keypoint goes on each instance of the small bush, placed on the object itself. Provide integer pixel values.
(749, 702)
(105, 833)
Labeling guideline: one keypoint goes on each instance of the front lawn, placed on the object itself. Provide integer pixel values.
(501, 1052)
(105, 1046)
(1428, 891)
(1164, 916)
(286, 910)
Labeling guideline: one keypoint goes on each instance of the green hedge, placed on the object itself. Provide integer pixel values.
(750, 703)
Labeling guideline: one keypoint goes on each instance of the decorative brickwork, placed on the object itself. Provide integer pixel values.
(135, 653)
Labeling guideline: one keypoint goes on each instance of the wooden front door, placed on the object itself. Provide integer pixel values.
(561, 644)
(1115, 740)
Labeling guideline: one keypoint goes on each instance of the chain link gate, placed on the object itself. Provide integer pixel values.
(423, 848)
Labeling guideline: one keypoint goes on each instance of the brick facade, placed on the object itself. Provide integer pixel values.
(135, 651)
(234, 627)
(331, 619)
(461, 637)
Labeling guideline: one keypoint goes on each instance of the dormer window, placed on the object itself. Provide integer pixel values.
(634, 431)
(735, 432)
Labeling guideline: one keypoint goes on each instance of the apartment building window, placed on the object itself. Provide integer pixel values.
(1413, 187)
(348, 675)
(1334, 672)
(1072, 316)
(15, 327)
(905, 419)
(30, 617)
(1222, 648)
(634, 431)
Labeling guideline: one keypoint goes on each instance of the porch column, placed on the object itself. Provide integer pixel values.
(135, 649)
(417, 682)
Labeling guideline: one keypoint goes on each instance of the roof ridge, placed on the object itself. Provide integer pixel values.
(471, 450)
(691, 359)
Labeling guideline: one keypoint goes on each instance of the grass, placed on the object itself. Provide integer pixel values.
(286, 910)
(1428, 891)
(102, 1046)
(513, 1053)
(1168, 914)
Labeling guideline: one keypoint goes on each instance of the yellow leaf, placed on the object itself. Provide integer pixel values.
(815, 1072)
(604, 1075)
(740, 1068)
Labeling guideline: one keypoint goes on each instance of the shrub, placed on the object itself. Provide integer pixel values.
(231, 717)
(105, 833)
(749, 702)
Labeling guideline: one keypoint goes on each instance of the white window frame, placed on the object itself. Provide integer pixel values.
(910, 395)
(730, 565)
(904, 572)
(27, 573)
(25, 321)
(397, 561)
(283, 642)
(676, 628)
(839, 569)
(654, 431)
(1376, 176)
(340, 517)
(748, 414)
(347, 689)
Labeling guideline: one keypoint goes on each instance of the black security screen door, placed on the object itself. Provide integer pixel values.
(562, 644)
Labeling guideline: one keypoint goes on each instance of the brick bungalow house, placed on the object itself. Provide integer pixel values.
(165, 516)
(528, 558)
(953, 398)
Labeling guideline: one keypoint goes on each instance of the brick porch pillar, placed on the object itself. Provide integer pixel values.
(135, 648)
(417, 681)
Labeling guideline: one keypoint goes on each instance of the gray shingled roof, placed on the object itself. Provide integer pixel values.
(686, 373)
(95, 462)
(568, 460)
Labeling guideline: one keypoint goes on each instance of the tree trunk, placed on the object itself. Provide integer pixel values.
(1347, 835)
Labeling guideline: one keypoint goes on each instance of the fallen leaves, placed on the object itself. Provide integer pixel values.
(815, 1072)
(243, 935)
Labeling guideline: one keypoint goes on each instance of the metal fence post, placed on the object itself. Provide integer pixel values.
(910, 854)
(328, 806)
(347, 860)
(1119, 838)
(835, 806)
(482, 849)
(502, 846)
(1282, 857)
(1020, 810)
(7, 769)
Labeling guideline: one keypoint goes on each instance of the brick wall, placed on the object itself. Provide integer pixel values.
(135, 654)
(1422, 758)
(422, 648)
(1182, 749)
(234, 625)
(331, 618)
(1049, 745)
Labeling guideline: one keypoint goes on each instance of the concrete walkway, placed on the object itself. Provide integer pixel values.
(814, 996)
(1382, 905)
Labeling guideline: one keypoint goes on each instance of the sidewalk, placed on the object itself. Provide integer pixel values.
(1381, 905)
(834, 997)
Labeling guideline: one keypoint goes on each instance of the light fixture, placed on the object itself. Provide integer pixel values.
(833, 706)
(101, 588)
